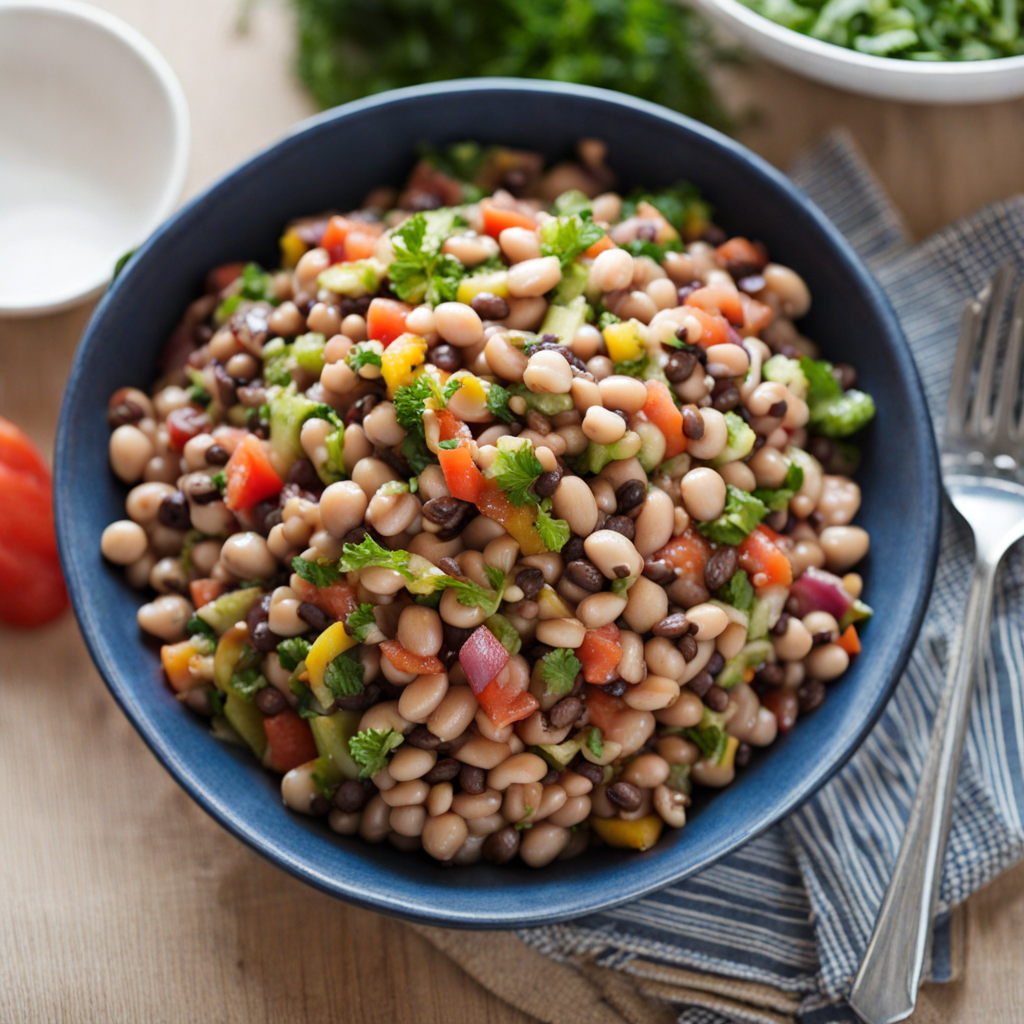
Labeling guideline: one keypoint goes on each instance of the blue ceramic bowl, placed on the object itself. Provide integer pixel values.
(333, 161)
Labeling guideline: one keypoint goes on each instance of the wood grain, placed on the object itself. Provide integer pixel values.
(121, 901)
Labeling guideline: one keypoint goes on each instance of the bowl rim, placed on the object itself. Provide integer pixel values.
(583, 901)
(177, 171)
(973, 70)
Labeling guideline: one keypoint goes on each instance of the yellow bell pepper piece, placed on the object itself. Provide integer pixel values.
(640, 834)
(625, 340)
(293, 248)
(228, 654)
(496, 284)
(729, 757)
(400, 359)
(327, 646)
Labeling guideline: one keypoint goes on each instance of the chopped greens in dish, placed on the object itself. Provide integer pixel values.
(507, 510)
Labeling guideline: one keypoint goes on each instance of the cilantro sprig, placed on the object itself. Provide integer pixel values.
(516, 469)
(568, 237)
(291, 652)
(361, 623)
(558, 669)
(742, 513)
(318, 573)
(420, 272)
(344, 676)
(370, 749)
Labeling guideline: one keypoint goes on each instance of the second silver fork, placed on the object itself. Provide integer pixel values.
(982, 472)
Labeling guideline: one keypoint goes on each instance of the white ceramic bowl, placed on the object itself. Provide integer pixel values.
(908, 80)
(94, 140)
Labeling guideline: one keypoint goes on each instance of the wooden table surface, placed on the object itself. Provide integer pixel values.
(121, 901)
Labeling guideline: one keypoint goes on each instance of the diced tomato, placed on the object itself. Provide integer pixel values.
(385, 320)
(406, 661)
(185, 423)
(604, 708)
(756, 316)
(765, 562)
(689, 553)
(204, 591)
(482, 657)
(333, 238)
(502, 707)
(464, 479)
(599, 247)
(662, 412)
(718, 298)
(741, 255)
(849, 641)
(220, 277)
(338, 600)
(361, 242)
(518, 520)
(715, 328)
(289, 741)
(175, 659)
(250, 476)
(497, 219)
(600, 654)
(452, 427)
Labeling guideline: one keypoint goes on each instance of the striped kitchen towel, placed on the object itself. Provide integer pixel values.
(785, 919)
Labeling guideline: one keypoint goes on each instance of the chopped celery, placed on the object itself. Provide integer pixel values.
(308, 350)
(331, 734)
(570, 288)
(353, 280)
(565, 320)
(288, 411)
(857, 612)
(546, 404)
(740, 441)
(223, 612)
(786, 371)
(247, 720)
(752, 655)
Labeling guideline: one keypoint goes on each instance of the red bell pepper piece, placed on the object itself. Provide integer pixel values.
(600, 654)
(250, 476)
(718, 299)
(406, 661)
(204, 591)
(662, 412)
(766, 564)
(338, 600)
(497, 219)
(289, 741)
(464, 479)
(185, 423)
(385, 320)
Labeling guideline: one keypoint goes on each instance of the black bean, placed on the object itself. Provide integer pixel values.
(226, 386)
(550, 343)
(173, 511)
(715, 663)
(489, 306)
(126, 412)
(501, 846)
(573, 549)
(759, 442)
(358, 306)
(352, 796)
(821, 637)
(264, 639)
(369, 696)
(615, 689)
(780, 627)
(270, 701)
(593, 772)
(422, 739)
(702, 682)
(743, 755)
(445, 357)
(565, 712)
(530, 582)
(456, 636)
(720, 568)
(319, 806)
(658, 570)
(585, 575)
(621, 524)
(217, 455)
(693, 423)
(624, 795)
(443, 771)
(672, 626)
(547, 483)
(445, 511)
(258, 613)
(629, 496)
(473, 780)
(316, 618)
(202, 490)
(551, 778)
(680, 366)
(726, 399)
(778, 409)
(449, 566)
(266, 515)
(716, 698)
(301, 472)
(770, 674)
(687, 647)
(810, 695)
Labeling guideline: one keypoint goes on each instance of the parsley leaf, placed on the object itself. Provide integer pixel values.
(257, 285)
(554, 532)
(344, 676)
(292, 652)
(516, 470)
(778, 500)
(320, 574)
(472, 594)
(416, 453)
(710, 735)
(497, 401)
(558, 669)
(220, 481)
(410, 401)
(833, 412)
(450, 445)
(370, 749)
(420, 272)
(361, 623)
(197, 627)
(567, 237)
(606, 319)
(742, 513)
(738, 592)
(364, 353)
(641, 247)
(573, 201)
(369, 554)
(595, 742)
(247, 679)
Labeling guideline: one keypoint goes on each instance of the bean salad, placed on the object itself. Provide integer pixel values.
(507, 511)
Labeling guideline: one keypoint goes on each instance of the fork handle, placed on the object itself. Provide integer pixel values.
(885, 989)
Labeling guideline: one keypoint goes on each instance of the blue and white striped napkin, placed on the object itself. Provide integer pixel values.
(813, 884)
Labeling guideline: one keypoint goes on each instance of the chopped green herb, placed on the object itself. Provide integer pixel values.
(778, 500)
(191, 539)
(220, 481)
(516, 467)
(122, 263)
(257, 285)
(370, 749)
(420, 272)
(247, 679)
(416, 453)
(558, 669)
(198, 394)
(568, 237)
(450, 445)
(361, 623)
(554, 532)
(369, 554)
(197, 627)
(742, 513)
(292, 652)
(595, 742)
(344, 676)
(738, 592)
(320, 574)
(710, 735)
(364, 353)
(505, 632)
(497, 401)
(472, 594)
(606, 319)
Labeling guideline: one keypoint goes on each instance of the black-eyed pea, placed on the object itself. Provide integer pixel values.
(805, 553)
(827, 662)
(604, 495)
(524, 767)
(663, 658)
(552, 799)
(739, 475)
(354, 446)
(600, 367)
(381, 427)
(670, 806)
(421, 321)
(789, 288)
(705, 649)
(632, 667)
(574, 784)
(587, 342)
(144, 500)
(444, 835)
(487, 825)
(821, 622)
(137, 574)
(477, 805)
(371, 474)
(730, 641)
(600, 805)
(395, 675)
(614, 554)
(621, 392)
(535, 730)
(574, 811)
(385, 582)
(794, 674)
(481, 752)
(298, 790)
(601, 609)
(853, 584)
(458, 324)
(166, 617)
(710, 620)
(130, 452)
(715, 436)
(453, 715)
(611, 270)
(652, 694)
(407, 844)
(522, 800)
(391, 514)
(585, 394)
(525, 314)
(611, 749)
(770, 467)
(339, 378)
(843, 546)
(695, 390)
(662, 293)
(420, 631)
(410, 763)
(727, 360)
(501, 553)
(283, 617)
(519, 244)
(703, 492)
(676, 750)
(439, 799)
(715, 776)
(124, 541)
(344, 823)
(655, 523)
(646, 771)
(534, 277)
(765, 730)
(406, 794)
(543, 843)
(574, 502)
(548, 373)
(561, 632)
(408, 820)
(795, 643)
(384, 716)
(647, 604)
(602, 426)
(375, 823)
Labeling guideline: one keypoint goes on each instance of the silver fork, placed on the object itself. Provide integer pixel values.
(983, 472)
